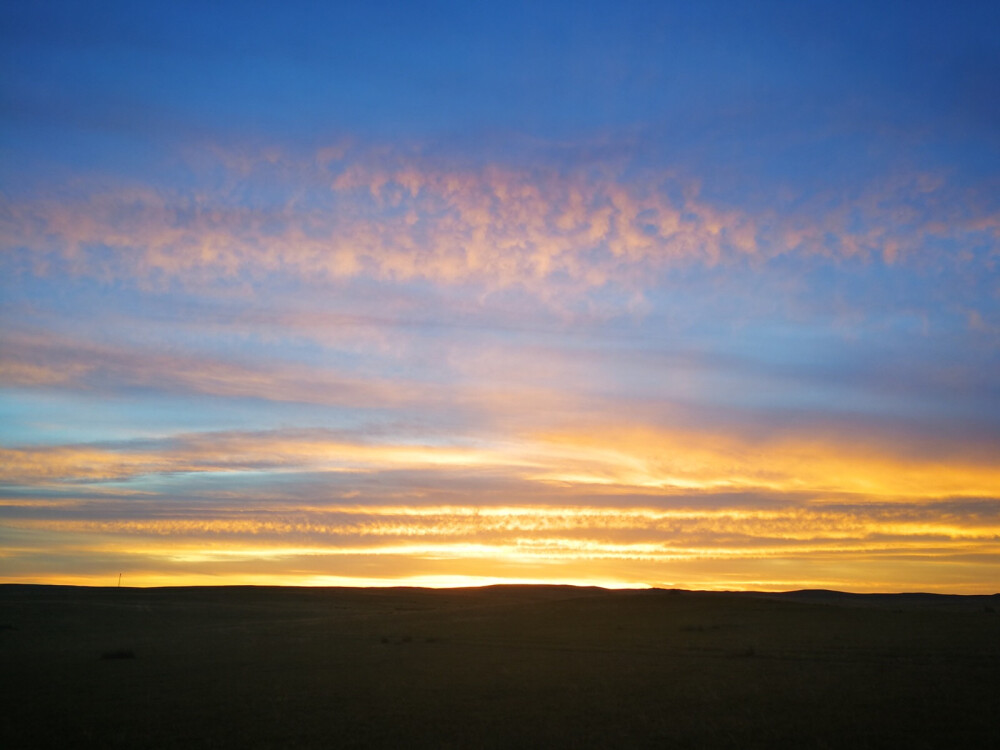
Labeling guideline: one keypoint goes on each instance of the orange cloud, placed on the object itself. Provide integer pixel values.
(612, 456)
(620, 546)
(605, 459)
(563, 530)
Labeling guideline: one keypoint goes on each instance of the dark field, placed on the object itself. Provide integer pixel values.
(495, 667)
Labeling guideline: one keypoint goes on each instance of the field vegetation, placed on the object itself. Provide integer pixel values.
(508, 666)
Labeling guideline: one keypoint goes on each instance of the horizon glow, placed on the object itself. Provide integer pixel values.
(673, 295)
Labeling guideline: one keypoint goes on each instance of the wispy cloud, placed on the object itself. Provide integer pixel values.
(607, 458)
(48, 359)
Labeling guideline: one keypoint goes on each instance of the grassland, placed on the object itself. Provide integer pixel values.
(515, 666)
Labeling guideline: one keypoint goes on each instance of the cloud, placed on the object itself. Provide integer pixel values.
(50, 360)
(363, 281)
(577, 544)
(395, 218)
(233, 452)
(608, 459)
(597, 505)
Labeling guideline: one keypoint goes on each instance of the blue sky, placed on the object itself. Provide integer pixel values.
(695, 293)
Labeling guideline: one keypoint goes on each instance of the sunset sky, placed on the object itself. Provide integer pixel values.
(698, 294)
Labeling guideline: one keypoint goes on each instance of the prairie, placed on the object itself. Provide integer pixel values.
(505, 666)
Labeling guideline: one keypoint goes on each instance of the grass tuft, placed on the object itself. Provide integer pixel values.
(119, 653)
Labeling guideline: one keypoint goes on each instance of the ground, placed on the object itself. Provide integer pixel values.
(509, 666)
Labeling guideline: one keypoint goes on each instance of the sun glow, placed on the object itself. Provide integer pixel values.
(589, 545)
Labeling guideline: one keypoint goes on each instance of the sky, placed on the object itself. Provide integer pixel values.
(675, 294)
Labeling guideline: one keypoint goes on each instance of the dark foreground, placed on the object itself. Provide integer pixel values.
(495, 667)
